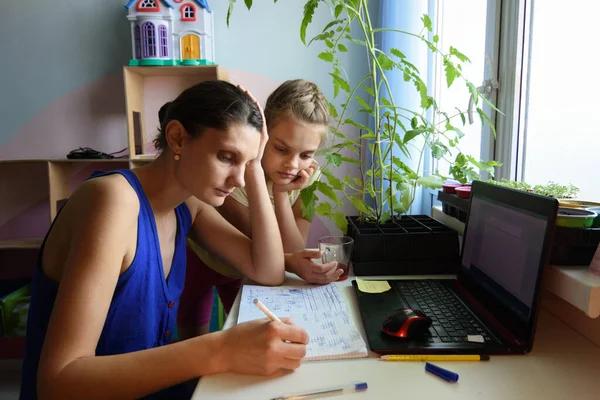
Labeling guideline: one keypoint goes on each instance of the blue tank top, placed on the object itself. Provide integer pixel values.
(143, 310)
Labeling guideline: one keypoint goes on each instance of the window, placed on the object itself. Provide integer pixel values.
(451, 17)
(149, 40)
(188, 12)
(558, 130)
(164, 46)
(138, 41)
(148, 5)
(480, 44)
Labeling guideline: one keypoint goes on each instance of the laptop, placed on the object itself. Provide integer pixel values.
(495, 295)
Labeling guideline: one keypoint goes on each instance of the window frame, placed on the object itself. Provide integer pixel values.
(156, 8)
(190, 7)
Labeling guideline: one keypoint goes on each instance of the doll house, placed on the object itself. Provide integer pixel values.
(171, 32)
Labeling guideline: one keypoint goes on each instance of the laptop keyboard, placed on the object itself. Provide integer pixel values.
(451, 321)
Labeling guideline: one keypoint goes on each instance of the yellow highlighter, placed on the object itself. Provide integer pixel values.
(436, 357)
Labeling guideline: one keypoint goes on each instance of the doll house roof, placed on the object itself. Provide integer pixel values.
(168, 3)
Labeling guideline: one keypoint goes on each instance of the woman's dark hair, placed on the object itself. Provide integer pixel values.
(208, 104)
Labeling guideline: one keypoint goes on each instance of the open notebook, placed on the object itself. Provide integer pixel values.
(318, 309)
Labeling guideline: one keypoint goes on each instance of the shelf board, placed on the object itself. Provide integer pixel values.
(574, 284)
(32, 243)
(175, 71)
(66, 160)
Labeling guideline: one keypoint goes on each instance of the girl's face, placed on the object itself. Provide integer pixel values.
(291, 147)
(214, 164)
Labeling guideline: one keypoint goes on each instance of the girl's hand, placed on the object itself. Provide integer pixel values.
(301, 263)
(264, 135)
(301, 180)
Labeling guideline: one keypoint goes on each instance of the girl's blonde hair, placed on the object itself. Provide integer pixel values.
(301, 100)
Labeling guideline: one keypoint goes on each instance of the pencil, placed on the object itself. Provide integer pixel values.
(264, 309)
(436, 357)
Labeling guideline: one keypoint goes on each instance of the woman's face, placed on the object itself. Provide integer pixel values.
(290, 149)
(214, 164)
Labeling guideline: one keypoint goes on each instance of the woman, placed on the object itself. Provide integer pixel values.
(112, 266)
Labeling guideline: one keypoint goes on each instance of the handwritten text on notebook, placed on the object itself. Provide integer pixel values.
(318, 309)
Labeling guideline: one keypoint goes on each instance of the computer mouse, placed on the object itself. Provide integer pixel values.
(406, 323)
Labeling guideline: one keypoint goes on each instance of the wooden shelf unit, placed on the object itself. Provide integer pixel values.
(146, 90)
(31, 191)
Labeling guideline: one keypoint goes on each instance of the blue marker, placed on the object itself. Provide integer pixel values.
(441, 372)
(357, 387)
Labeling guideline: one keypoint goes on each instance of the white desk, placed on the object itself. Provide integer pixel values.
(563, 365)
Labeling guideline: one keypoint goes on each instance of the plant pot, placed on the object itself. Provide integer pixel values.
(408, 245)
(575, 217)
(464, 192)
(574, 246)
(450, 187)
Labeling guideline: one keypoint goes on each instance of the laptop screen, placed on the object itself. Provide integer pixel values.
(503, 250)
(506, 245)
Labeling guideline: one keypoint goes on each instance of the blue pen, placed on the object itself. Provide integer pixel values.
(441, 372)
(357, 387)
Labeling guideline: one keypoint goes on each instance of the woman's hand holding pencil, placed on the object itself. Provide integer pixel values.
(263, 348)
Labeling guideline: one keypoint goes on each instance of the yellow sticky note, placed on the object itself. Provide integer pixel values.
(372, 286)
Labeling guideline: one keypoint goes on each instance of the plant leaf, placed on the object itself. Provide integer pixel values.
(462, 116)
(474, 92)
(360, 205)
(326, 56)
(397, 53)
(308, 197)
(323, 209)
(359, 126)
(333, 180)
(357, 41)
(327, 191)
(351, 160)
(333, 23)
(451, 72)
(385, 62)
(485, 117)
(430, 182)
(363, 103)
(427, 22)
(334, 159)
(436, 39)
(459, 55)
(340, 81)
(309, 11)
(230, 10)
(248, 3)
(409, 135)
(338, 10)
(340, 221)
(368, 90)
(333, 111)
(342, 48)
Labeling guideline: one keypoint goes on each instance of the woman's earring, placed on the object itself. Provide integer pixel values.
(176, 157)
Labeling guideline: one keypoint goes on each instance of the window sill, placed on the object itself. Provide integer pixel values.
(574, 284)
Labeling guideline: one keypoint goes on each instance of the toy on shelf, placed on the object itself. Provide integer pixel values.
(171, 32)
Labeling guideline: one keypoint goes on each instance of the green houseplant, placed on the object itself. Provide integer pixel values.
(386, 186)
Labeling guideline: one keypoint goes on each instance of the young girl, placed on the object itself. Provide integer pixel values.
(112, 266)
(297, 118)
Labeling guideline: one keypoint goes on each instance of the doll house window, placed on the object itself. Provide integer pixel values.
(188, 12)
(149, 39)
(148, 5)
(162, 37)
(137, 36)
